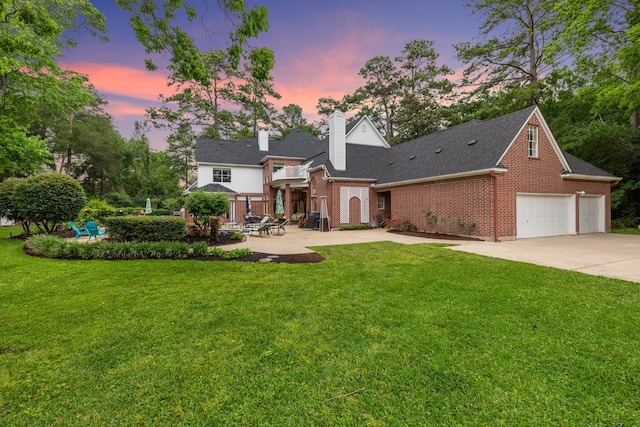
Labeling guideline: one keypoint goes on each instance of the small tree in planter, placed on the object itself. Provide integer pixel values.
(202, 205)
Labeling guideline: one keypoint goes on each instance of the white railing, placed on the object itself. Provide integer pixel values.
(291, 172)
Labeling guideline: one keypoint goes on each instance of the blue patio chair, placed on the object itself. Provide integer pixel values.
(80, 231)
(93, 230)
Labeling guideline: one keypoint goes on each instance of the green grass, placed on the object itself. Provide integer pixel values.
(629, 230)
(378, 334)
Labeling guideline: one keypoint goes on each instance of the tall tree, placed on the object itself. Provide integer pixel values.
(199, 105)
(33, 35)
(99, 152)
(292, 118)
(604, 35)
(510, 53)
(158, 29)
(403, 96)
(425, 88)
(254, 92)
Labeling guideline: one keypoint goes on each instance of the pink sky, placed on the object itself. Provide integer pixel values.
(319, 47)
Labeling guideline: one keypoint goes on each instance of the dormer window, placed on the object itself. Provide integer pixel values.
(532, 141)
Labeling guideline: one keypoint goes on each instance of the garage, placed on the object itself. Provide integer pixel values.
(591, 214)
(540, 215)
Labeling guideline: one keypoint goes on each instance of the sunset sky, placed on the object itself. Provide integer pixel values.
(319, 47)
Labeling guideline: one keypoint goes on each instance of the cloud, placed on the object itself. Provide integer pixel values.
(122, 80)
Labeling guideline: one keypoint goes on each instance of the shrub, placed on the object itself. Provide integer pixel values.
(118, 199)
(54, 247)
(401, 225)
(199, 249)
(48, 199)
(237, 236)
(202, 206)
(145, 228)
(355, 227)
(97, 210)
(237, 253)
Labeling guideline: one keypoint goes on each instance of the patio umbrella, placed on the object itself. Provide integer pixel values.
(248, 205)
(148, 207)
(279, 205)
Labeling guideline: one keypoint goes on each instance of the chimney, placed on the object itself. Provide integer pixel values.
(263, 140)
(338, 141)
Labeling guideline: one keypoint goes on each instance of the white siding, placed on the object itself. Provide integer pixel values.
(365, 133)
(243, 179)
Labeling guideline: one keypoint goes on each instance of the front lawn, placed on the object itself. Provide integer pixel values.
(378, 334)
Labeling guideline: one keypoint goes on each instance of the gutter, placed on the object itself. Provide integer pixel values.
(489, 171)
(495, 205)
(613, 179)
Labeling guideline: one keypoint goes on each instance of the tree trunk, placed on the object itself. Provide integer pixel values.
(533, 67)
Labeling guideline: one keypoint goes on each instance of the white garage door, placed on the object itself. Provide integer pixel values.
(539, 215)
(591, 214)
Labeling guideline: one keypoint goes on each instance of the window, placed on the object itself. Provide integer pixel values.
(314, 186)
(381, 202)
(277, 166)
(532, 138)
(221, 175)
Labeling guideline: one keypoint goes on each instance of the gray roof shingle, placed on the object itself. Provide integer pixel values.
(472, 146)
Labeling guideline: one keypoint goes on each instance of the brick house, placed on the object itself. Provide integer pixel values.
(499, 179)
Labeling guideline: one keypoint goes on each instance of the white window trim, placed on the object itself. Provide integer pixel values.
(532, 141)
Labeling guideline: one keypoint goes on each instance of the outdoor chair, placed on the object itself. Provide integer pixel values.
(93, 230)
(279, 227)
(264, 228)
(80, 231)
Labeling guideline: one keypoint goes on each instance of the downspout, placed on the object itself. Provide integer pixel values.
(495, 206)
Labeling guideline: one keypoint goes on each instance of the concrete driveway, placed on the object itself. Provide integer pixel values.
(610, 255)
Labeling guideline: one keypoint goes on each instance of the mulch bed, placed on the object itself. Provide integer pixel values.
(288, 258)
(438, 236)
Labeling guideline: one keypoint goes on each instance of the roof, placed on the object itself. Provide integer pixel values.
(297, 144)
(580, 167)
(216, 188)
(471, 147)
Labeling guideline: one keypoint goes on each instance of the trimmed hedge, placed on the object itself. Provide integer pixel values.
(145, 228)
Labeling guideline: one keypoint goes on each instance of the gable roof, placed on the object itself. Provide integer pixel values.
(474, 147)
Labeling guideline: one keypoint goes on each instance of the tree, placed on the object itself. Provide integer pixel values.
(48, 199)
(199, 105)
(33, 35)
(82, 101)
(7, 207)
(157, 28)
(252, 95)
(515, 58)
(202, 205)
(292, 118)
(404, 97)
(604, 36)
(98, 153)
(424, 91)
